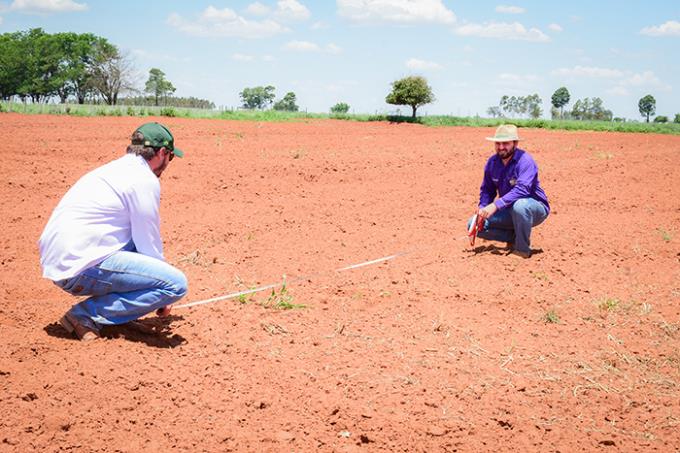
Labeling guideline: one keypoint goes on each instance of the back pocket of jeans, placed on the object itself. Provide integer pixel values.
(84, 285)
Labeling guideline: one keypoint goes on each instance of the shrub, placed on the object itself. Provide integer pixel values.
(168, 111)
(341, 108)
(661, 119)
(677, 118)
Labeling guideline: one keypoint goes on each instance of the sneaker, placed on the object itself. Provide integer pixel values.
(83, 328)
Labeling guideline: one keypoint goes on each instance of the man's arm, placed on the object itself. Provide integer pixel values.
(143, 202)
(488, 189)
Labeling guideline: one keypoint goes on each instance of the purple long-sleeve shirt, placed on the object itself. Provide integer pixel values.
(518, 179)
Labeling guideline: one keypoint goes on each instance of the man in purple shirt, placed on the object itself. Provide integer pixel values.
(512, 175)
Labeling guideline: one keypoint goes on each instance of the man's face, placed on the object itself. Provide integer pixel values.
(504, 150)
(160, 161)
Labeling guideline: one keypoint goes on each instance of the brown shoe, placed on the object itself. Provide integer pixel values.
(84, 330)
(522, 254)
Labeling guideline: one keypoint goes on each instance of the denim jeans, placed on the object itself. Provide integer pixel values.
(514, 223)
(125, 286)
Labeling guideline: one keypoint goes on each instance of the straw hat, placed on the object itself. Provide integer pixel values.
(505, 133)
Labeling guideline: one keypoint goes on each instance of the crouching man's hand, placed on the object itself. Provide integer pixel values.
(487, 211)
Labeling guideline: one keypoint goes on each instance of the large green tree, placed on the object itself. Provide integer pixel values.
(257, 97)
(287, 103)
(412, 91)
(39, 66)
(647, 106)
(560, 98)
(12, 67)
(80, 57)
(157, 85)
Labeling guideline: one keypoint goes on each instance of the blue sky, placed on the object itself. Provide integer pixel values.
(471, 52)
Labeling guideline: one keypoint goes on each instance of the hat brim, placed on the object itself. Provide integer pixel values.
(503, 139)
(178, 152)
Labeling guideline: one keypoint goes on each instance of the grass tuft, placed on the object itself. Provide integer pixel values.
(551, 317)
(608, 304)
(281, 300)
(665, 235)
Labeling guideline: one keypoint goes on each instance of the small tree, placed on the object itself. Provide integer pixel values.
(560, 98)
(647, 106)
(413, 91)
(157, 86)
(112, 72)
(257, 97)
(677, 118)
(661, 119)
(494, 112)
(341, 108)
(287, 104)
(532, 105)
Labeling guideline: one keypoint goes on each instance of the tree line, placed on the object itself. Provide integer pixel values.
(39, 66)
(82, 67)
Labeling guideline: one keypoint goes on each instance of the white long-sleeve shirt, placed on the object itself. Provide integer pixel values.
(99, 215)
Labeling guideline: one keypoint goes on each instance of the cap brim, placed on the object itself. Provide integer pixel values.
(503, 139)
(178, 152)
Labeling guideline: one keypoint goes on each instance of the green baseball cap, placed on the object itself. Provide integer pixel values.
(157, 136)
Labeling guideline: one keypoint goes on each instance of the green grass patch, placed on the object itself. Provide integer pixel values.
(282, 116)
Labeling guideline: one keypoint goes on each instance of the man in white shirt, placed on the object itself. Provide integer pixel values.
(103, 239)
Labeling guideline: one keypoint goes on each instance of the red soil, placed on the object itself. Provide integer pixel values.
(443, 348)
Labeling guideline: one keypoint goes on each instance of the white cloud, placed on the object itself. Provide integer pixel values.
(517, 79)
(242, 57)
(302, 46)
(46, 6)
(422, 65)
(510, 9)
(555, 27)
(268, 58)
(258, 9)
(225, 23)
(333, 49)
(618, 91)
(291, 10)
(502, 30)
(319, 25)
(286, 10)
(588, 71)
(396, 11)
(0, 20)
(645, 79)
(670, 28)
(307, 46)
(636, 82)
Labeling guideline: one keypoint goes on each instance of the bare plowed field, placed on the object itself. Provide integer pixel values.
(440, 348)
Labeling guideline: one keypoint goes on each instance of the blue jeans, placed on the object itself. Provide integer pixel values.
(514, 223)
(125, 286)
